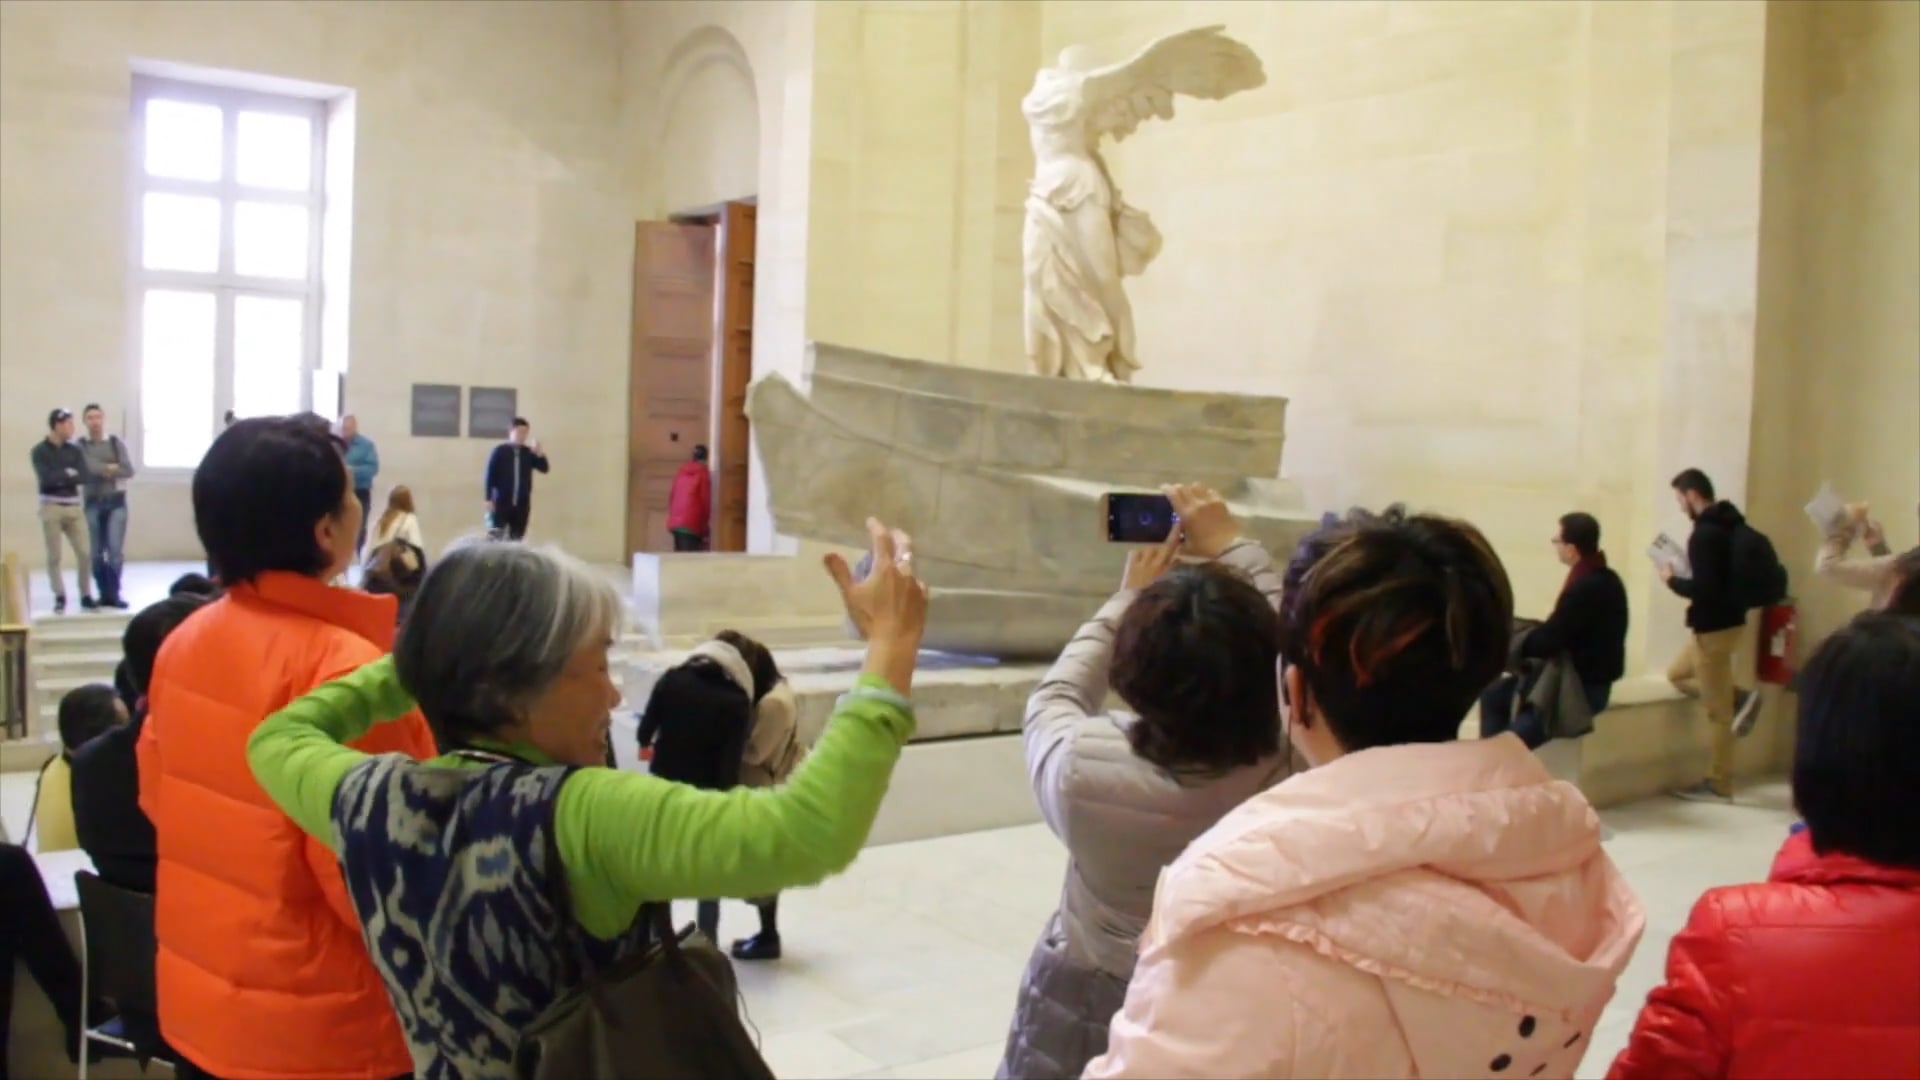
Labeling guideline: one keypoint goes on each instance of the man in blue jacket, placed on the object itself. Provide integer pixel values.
(364, 459)
(509, 482)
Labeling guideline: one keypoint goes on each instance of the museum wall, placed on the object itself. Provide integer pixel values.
(1838, 397)
(919, 172)
(491, 235)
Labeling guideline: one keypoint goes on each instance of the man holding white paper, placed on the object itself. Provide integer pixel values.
(1718, 617)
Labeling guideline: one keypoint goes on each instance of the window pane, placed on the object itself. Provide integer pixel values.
(182, 232)
(176, 377)
(270, 240)
(275, 151)
(269, 338)
(183, 140)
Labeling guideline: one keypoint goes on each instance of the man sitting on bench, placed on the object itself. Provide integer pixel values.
(1588, 626)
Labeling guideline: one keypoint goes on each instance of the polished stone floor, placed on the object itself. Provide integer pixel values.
(906, 966)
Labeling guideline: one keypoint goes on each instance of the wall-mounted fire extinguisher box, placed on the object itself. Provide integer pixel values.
(1774, 659)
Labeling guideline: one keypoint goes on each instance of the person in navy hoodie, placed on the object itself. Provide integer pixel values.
(510, 480)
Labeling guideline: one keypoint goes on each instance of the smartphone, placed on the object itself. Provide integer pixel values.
(1139, 519)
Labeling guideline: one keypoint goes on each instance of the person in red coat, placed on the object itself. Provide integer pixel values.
(1816, 971)
(690, 503)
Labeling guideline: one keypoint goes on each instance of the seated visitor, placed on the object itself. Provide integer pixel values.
(1588, 628)
(85, 713)
(398, 521)
(1813, 973)
(506, 653)
(694, 727)
(198, 585)
(30, 935)
(261, 969)
(107, 817)
(1190, 651)
(1412, 905)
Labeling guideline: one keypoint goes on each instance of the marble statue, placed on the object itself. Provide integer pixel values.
(1081, 238)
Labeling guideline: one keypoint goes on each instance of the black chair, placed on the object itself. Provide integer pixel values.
(116, 935)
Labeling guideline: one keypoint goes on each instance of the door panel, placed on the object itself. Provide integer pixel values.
(670, 396)
(737, 236)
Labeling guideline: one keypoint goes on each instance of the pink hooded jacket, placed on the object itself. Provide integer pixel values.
(1423, 910)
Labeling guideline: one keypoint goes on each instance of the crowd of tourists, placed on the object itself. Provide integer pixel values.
(382, 846)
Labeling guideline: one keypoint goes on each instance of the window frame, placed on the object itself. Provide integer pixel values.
(225, 283)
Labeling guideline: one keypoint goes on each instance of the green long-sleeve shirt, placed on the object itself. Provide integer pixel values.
(625, 838)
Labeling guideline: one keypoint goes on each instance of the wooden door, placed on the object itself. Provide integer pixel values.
(733, 372)
(670, 395)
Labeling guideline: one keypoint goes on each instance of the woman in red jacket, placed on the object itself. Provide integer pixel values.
(1815, 972)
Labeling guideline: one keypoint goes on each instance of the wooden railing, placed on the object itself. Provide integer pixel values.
(16, 693)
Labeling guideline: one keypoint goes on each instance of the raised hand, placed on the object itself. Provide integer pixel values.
(889, 607)
(1210, 528)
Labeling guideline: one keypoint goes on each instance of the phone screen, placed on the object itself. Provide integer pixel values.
(1139, 519)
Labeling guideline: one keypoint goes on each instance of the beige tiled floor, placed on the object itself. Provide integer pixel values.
(907, 965)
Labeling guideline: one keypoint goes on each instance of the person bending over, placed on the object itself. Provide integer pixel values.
(506, 653)
(1588, 627)
(1414, 904)
(694, 728)
(261, 969)
(1190, 651)
(1816, 971)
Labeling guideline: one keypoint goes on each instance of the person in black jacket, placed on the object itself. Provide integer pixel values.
(1588, 624)
(697, 720)
(1704, 669)
(115, 833)
(509, 481)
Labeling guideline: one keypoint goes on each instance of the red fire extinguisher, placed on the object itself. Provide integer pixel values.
(1774, 664)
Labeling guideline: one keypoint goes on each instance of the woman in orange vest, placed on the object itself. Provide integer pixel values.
(261, 968)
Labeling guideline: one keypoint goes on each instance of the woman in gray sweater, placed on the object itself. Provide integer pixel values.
(1192, 652)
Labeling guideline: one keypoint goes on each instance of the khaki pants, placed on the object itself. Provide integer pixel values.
(1704, 670)
(71, 521)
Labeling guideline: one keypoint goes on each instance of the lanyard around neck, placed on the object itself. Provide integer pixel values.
(490, 757)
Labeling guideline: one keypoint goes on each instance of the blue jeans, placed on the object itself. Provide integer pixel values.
(107, 530)
(1496, 705)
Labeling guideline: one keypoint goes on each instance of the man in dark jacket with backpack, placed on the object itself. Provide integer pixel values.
(1730, 574)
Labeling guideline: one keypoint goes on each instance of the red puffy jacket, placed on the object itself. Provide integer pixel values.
(690, 503)
(1814, 973)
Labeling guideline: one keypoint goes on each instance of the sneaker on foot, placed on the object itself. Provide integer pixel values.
(757, 947)
(1746, 712)
(118, 603)
(1704, 791)
(59, 605)
(88, 603)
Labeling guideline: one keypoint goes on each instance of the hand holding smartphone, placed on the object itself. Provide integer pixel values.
(1139, 518)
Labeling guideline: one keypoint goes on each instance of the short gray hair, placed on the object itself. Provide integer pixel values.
(491, 627)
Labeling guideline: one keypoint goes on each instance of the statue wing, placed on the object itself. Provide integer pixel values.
(1202, 63)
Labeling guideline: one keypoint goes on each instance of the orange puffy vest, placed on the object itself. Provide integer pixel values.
(262, 970)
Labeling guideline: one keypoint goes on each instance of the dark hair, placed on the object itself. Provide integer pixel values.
(92, 406)
(700, 453)
(1695, 481)
(766, 673)
(146, 632)
(1856, 761)
(1582, 532)
(1193, 658)
(521, 421)
(1397, 622)
(696, 720)
(1903, 596)
(191, 584)
(259, 491)
(85, 713)
(57, 417)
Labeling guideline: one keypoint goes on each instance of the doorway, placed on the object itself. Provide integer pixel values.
(690, 365)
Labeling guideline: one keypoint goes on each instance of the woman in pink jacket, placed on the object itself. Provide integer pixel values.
(1414, 905)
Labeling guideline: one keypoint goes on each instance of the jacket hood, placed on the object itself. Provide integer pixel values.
(1723, 514)
(1462, 868)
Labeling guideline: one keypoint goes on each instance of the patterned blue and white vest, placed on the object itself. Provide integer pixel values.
(451, 871)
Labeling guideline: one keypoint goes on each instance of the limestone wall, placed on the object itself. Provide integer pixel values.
(492, 242)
